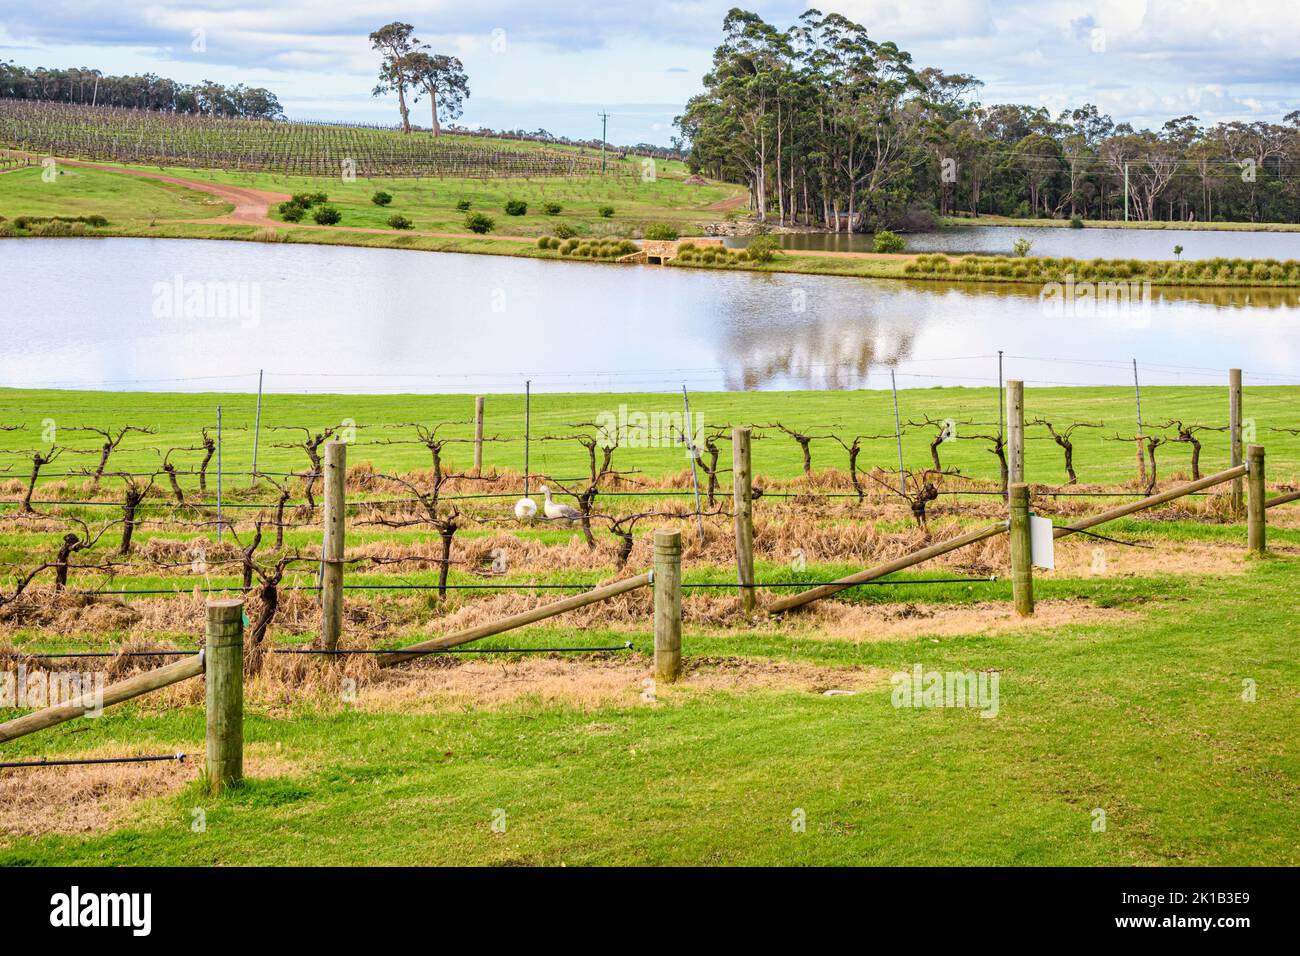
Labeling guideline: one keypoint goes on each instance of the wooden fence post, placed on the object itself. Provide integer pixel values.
(223, 654)
(742, 482)
(478, 435)
(1022, 571)
(1255, 516)
(332, 544)
(1234, 433)
(1015, 431)
(668, 604)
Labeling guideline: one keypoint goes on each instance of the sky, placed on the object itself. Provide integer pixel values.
(555, 66)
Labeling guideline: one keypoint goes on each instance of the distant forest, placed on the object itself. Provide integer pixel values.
(831, 128)
(82, 85)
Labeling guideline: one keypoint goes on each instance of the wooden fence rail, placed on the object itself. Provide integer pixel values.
(971, 537)
(521, 619)
(92, 702)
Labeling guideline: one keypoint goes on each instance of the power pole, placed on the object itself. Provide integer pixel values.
(604, 127)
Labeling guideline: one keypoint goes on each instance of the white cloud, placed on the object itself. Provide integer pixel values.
(1214, 58)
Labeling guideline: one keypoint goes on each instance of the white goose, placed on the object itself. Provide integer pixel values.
(557, 512)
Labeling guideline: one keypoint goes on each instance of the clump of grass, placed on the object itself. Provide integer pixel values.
(267, 234)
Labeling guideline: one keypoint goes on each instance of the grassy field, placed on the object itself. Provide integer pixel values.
(85, 192)
(430, 203)
(178, 417)
(1140, 717)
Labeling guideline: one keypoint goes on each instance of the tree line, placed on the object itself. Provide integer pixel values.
(146, 91)
(833, 129)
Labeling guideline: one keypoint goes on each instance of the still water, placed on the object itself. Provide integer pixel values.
(189, 315)
(1089, 243)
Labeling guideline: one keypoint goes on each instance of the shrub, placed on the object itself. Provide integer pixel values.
(97, 221)
(516, 207)
(292, 211)
(463, 205)
(565, 231)
(54, 228)
(660, 230)
(887, 241)
(607, 212)
(552, 208)
(316, 199)
(1020, 248)
(399, 221)
(479, 223)
(1076, 222)
(381, 198)
(763, 248)
(327, 215)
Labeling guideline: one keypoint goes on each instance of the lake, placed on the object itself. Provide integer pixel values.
(1088, 243)
(193, 315)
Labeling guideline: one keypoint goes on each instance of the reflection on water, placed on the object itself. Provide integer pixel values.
(84, 313)
(1090, 243)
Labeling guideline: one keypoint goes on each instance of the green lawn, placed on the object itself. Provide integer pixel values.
(430, 203)
(178, 417)
(1143, 719)
(78, 191)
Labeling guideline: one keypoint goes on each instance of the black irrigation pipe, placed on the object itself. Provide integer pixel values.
(650, 493)
(62, 654)
(1082, 494)
(178, 757)
(1102, 537)
(343, 651)
(503, 587)
(878, 582)
(175, 504)
(627, 646)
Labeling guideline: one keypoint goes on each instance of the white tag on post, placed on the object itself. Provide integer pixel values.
(1042, 545)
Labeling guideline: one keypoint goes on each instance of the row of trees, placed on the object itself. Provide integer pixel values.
(146, 91)
(831, 128)
(409, 65)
